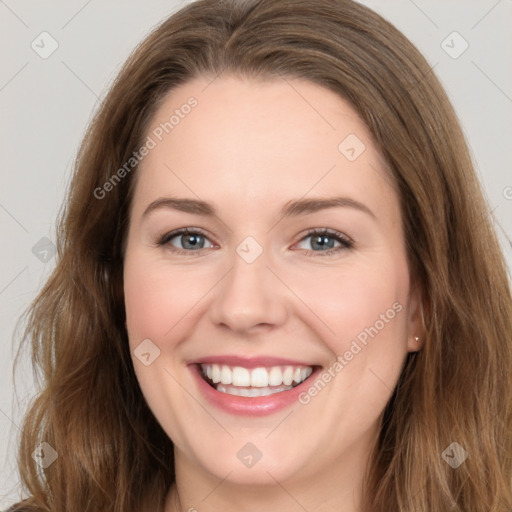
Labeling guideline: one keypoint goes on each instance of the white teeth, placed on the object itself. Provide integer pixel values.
(259, 378)
(275, 377)
(241, 376)
(238, 376)
(288, 376)
(226, 375)
(215, 373)
(305, 373)
(251, 392)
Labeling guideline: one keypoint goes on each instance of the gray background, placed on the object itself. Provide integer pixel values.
(46, 104)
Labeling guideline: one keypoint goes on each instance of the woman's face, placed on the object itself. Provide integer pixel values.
(250, 296)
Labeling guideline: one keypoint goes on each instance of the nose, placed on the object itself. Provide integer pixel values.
(250, 298)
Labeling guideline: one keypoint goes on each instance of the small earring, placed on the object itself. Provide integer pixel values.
(416, 339)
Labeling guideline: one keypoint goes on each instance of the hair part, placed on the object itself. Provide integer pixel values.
(113, 454)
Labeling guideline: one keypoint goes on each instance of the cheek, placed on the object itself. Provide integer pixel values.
(158, 300)
(350, 301)
(149, 310)
(365, 311)
(159, 306)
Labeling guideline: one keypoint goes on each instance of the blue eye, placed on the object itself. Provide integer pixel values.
(325, 242)
(187, 239)
(322, 242)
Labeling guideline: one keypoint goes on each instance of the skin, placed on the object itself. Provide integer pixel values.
(249, 147)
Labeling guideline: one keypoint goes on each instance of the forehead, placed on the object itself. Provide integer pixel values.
(239, 142)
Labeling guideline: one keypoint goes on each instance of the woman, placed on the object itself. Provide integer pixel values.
(199, 353)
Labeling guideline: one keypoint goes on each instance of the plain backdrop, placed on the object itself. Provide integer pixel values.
(46, 102)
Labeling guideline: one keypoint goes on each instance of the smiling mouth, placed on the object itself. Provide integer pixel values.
(254, 382)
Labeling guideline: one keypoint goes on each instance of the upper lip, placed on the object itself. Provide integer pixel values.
(249, 362)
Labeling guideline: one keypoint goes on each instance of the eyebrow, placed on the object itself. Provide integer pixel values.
(291, 209)
(305, 206)
(183, 205)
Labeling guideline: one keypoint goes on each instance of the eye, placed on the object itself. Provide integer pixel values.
(319, 242)
(325, 242)
(185, 240)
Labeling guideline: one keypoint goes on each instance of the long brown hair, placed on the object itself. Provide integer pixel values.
(112, 454)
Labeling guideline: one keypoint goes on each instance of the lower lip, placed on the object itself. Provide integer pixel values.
(250, 406)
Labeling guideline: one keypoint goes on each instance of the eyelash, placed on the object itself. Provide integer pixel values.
(345, 242)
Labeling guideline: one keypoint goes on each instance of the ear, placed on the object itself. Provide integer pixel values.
(416, 332)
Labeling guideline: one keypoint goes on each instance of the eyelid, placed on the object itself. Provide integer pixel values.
(167, 237)
(345, 241)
